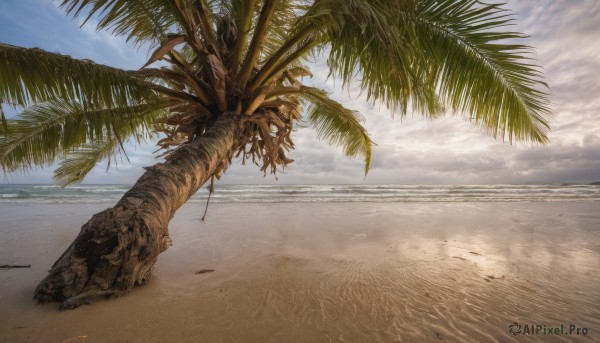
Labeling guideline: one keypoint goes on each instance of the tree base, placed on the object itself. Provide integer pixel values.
(115, 251)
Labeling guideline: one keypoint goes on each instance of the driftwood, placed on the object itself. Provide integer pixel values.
(11, 266)
(202, 271)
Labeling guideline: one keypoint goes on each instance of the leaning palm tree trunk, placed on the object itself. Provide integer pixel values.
(118, 247)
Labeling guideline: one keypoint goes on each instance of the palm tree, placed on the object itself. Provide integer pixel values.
(223, 81)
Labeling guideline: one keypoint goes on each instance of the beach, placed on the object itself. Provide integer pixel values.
(325, 272)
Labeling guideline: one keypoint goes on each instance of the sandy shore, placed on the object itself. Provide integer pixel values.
(345, 272)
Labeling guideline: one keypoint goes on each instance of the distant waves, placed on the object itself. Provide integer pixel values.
(315, 193)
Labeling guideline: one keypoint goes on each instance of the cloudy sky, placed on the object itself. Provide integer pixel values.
(409, 150)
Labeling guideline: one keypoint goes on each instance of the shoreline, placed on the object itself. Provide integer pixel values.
(302, 272)
(317, 193)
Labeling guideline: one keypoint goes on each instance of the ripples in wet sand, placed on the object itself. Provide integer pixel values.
(347, 273)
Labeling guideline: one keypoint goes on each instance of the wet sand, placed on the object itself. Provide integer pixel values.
(342, 272)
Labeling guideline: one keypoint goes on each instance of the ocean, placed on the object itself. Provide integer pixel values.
(12, 193)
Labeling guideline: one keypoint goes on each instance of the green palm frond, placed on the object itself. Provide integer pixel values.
(259, 35)
(481, 70)
(336, 124)
(3, 117)
(140, 21)
(243, 12)
(428, 53)
(29, 76)
(82, 160)
(371, 40)
(285, 25)
(45, 133)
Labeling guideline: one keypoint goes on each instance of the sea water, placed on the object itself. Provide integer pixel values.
(13, 193)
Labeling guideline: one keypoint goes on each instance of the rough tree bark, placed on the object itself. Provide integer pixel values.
(118, 247)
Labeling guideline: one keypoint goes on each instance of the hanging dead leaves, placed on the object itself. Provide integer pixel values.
(203, 81)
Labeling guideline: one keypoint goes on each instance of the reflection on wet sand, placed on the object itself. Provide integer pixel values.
(343, 273)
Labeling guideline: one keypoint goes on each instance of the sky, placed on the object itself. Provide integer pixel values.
(409, 150)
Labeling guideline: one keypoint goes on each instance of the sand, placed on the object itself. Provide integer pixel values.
(342, 272)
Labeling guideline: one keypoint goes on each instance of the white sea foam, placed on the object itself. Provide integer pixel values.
(316, 193)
